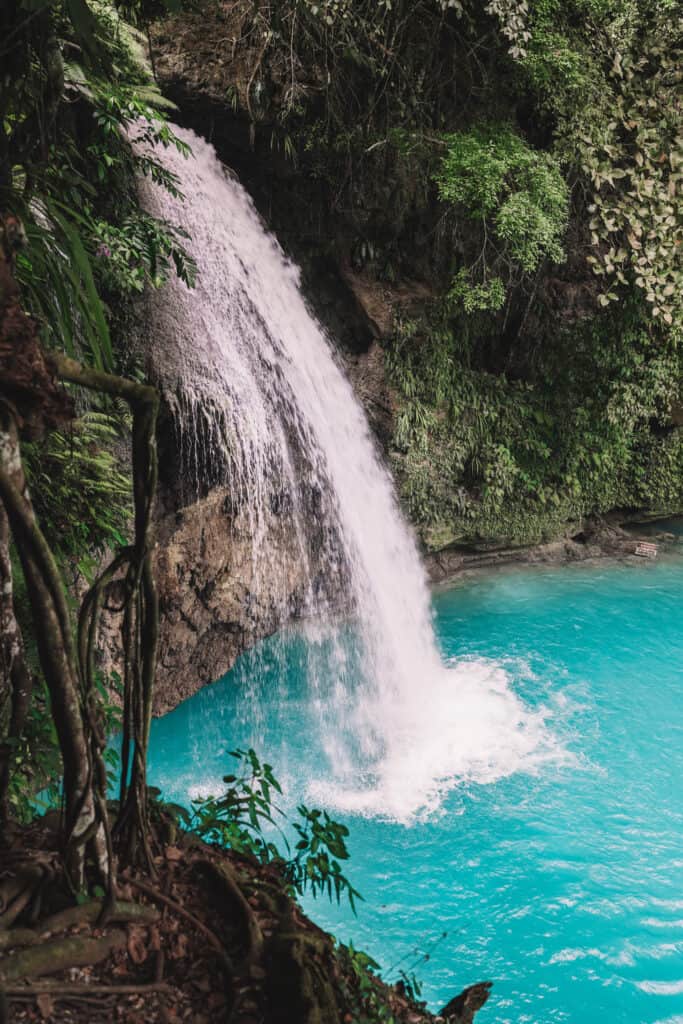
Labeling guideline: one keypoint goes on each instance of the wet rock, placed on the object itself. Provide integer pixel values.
(595, 538)
(462, 1009)
(212, 606)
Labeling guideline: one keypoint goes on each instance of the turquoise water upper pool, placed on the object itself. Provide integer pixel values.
(563, 881)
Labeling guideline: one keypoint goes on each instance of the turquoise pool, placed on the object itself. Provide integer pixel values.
(562, 881)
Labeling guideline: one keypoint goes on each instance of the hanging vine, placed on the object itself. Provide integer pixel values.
(31, 401)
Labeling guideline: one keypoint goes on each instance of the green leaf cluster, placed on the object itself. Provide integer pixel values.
(517, 195)
(360, 984)
(81, 493)
(70, 177)
(609, 74)
(246, 819)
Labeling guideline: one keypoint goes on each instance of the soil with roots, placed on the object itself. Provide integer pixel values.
(206, 936)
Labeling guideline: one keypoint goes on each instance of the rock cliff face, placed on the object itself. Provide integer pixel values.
(213, 604)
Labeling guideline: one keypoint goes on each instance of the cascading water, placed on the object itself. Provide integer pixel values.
(255, 378)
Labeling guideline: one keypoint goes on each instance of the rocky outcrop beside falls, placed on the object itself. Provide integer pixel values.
(595, 538)
(205, 588)
(214, 601)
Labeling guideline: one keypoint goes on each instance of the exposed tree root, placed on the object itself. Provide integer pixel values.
(88, 913)
(220, 941)
(51, 957)
(211, 937)
(57, 989)
(224, 882)
(22, 887)
(17, 938)
(297, 991)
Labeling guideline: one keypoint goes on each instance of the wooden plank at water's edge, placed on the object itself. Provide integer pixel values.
(646, 550)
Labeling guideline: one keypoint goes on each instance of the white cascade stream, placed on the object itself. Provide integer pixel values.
(260, 390)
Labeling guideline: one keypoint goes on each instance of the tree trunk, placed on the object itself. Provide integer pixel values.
(16, 682)
(54, 639)
(141, 612)
(30, 400)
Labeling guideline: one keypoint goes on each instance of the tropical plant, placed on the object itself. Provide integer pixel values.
(246, 819)
(480, 455)
(75, 191)
(361, 989)
(518, 197)
(81, 494)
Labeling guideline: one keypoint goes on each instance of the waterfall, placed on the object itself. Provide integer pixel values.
(265, 406)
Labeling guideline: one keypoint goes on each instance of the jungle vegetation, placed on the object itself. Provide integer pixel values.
(80, 117)
(74, 241)
(523, 157)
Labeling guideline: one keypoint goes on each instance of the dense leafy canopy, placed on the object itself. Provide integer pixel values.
(523, 156)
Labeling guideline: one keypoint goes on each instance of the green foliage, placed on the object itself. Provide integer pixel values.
(74, 188)
(528, 96)
(120, 110)
(79, 120)
(35, 763)
(129, 249)
(532, 226)
(141, 251)
(81, 493)
(71, 179)
(635, 164)
(245, 819)
(58, 282)
(482, 456)
(359, 982)
(476, 298)
(547, 128)
(321, 844)
(411, 985)
(237, 818)
(36, 766)
(609, 71)
(518, 196)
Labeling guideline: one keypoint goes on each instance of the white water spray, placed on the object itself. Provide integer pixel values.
(258, 383)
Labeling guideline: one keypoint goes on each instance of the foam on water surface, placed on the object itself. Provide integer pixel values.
(561, 881)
